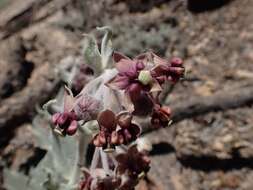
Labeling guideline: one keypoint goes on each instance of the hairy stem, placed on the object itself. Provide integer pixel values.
(104, 159)
(79, 158)
(95, 159)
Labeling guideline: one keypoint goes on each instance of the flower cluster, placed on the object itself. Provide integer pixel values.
(140, 81)
(132, 166)
(129, 168)
(80, 108)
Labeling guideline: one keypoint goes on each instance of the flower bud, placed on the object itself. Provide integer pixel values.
(177, 70)
(140, 65)
(135, 91)
(55, 118)
(71, 130)
(176, 62)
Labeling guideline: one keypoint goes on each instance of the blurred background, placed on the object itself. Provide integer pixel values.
(210, 144)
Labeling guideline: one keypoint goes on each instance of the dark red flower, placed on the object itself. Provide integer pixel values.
(86, 182)
(65, 123)
(129, 130)
(160, 116)
(80, 108)
(107, 137)
(115, 130)
(132, 163)
(133, 76)
(128, 71)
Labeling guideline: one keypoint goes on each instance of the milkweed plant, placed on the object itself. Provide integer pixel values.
(105, 98)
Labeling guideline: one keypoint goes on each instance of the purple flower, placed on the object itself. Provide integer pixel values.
(128, 71)
(80, 108)
(66, 123)
(165, 70)
(86, 107)
(133, 76)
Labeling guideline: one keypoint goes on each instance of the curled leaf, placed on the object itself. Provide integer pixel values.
(91, 53)
(106, 46)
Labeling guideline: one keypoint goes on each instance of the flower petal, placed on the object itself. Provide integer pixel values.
(142, 56)
(158, 60)
(107, 119)
(124, 119)
(119, 82)
(127, 102)
(134, 91)
(159, 70)
(156, 87)
(118, 56)
(135, 130)
(127, 67)
(71, 130)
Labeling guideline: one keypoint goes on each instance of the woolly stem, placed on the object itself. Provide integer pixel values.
(95, 159)
(105, 163)
(79, 159)
(56, 150)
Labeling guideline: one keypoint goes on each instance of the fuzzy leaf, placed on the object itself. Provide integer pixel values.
(106, 47)
(91, 53)
(14, 180)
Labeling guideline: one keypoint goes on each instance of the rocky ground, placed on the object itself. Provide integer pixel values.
(209, 147)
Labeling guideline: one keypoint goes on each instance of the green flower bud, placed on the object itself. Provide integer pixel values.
(145, 77)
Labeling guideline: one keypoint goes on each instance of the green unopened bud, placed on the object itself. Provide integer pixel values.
(145, 77)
